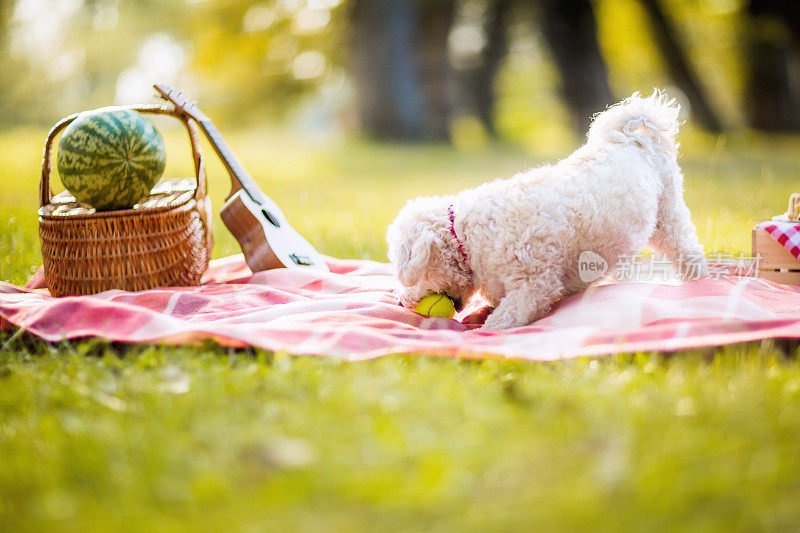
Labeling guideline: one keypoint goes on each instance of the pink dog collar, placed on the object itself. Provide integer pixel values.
(461, 251)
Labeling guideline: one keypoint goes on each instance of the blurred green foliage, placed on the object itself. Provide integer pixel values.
(246, 59)
(250, 61)
(264, 56)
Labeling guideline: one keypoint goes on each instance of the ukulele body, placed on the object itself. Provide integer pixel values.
(266, 238)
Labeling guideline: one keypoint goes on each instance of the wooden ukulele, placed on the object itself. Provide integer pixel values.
(266, 238)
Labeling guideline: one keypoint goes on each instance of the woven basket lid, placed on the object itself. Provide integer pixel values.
(167, 194)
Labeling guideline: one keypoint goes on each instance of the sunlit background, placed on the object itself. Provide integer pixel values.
(460, 71)
(342, 110)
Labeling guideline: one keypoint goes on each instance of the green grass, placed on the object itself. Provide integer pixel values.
(105, 437)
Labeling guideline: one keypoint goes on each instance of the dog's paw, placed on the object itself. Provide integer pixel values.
(694, 269)
(499, 320)
(476, 319)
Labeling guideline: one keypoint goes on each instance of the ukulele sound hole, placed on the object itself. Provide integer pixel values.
(270, 218)
(301, 260)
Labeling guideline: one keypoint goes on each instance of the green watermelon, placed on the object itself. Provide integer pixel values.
(110, 158)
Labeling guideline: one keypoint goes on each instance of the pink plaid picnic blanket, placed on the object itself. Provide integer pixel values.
(351, 313)
(786, 233)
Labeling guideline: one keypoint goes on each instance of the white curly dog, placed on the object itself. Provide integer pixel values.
(518, 240)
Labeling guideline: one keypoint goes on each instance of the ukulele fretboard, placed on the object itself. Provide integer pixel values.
(232, 164)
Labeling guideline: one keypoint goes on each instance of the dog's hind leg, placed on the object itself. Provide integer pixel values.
(675, 235)
(527, 300)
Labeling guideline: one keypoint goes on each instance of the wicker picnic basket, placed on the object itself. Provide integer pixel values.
(164, 240)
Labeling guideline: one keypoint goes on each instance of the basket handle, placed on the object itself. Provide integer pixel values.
(45, 193)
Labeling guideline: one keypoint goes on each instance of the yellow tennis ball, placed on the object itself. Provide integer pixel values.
(436, 304)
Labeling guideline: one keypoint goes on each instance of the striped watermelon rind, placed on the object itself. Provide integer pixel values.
(110, 158)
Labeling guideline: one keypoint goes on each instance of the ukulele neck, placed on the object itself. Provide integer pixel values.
(240, 179)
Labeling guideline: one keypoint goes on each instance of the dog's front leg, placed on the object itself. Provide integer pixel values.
(526, 301)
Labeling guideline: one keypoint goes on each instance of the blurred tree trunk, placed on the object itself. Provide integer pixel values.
(772, 91)
(401, 67)
(476, 82)
(570, 31)
(435, 21)
(678, 64)
(390, 98)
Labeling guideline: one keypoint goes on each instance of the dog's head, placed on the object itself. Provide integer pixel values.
(421, 248)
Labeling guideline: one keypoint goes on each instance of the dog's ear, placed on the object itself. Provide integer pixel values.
(413, 256)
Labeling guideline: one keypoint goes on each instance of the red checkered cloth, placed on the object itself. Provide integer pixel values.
(351, 313)
(786, 233)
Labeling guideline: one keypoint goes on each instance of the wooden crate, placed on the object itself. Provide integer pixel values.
(775, 263)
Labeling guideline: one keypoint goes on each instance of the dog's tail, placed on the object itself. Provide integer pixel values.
(650, 122)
